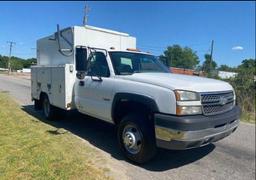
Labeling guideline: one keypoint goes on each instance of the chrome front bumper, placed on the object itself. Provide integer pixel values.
(173, 139)
(172, 134)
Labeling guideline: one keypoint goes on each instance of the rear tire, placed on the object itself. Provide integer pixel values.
(37, 104)
(136, 138)
(49, 110)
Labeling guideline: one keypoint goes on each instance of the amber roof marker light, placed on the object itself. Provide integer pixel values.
(133, 49)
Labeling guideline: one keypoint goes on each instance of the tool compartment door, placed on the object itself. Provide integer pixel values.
(58, 87)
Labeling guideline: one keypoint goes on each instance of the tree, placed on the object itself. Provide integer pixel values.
(246, 73)
(3, 62)
(227, 68)
(248, 64)
(181, 57)
(16, 62)
(27, 63)
(209, 65)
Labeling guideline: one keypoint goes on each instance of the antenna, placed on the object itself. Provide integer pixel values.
(86, 12)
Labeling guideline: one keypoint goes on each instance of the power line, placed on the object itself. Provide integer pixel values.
(11, 43)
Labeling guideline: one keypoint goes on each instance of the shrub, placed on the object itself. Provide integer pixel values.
(244, 85)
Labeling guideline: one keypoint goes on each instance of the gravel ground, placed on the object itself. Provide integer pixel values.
(231, 158)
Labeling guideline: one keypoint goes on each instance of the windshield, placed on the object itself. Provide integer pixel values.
(126, 63)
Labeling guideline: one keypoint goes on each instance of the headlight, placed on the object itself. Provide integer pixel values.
(235, 99)
(185, 104)
(186, 96)
(188, 110)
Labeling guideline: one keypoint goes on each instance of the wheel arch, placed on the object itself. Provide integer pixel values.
(42, 95)
(132, 102)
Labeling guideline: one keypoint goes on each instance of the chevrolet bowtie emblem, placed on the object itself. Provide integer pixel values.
(223, 100)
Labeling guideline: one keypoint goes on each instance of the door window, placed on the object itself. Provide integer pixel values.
(98, 65)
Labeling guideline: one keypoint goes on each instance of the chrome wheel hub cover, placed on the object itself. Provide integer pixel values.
(132, 138)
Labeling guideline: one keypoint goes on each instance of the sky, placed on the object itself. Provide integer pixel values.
(156, 25)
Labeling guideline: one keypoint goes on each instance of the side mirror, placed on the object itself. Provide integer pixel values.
(80, 75)
(81, 59)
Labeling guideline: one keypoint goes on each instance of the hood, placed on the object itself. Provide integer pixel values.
(178, 81)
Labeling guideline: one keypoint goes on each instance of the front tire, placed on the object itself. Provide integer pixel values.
(136, 138)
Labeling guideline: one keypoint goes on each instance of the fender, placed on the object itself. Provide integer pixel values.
(147, 101)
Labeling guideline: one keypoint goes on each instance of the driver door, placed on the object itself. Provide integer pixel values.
(95, 90)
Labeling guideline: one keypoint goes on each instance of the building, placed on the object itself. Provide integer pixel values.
(186, 71)
(226, 74)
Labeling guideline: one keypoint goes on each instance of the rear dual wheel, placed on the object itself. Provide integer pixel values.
(37, 104)
(49, 111)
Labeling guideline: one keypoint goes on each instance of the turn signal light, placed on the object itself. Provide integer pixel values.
(188, 110)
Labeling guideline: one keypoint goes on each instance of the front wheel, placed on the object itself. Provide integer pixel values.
(136, 138)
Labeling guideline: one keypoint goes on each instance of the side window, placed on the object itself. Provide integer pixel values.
(98, 65)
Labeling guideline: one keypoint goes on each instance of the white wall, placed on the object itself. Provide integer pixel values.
(101, 38)
(226, 75)
(26, 70)
(48, 50)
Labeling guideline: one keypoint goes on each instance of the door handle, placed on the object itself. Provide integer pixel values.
(81, 83)
(96, 78)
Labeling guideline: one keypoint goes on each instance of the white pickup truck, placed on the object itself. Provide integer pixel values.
(100, 73)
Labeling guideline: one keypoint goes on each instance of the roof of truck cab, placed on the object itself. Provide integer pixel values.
(138, 52)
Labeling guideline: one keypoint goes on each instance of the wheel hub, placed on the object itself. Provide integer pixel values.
(129, 139)
(132, 139)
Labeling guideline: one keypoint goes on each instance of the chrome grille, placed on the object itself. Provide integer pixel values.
(216, 103)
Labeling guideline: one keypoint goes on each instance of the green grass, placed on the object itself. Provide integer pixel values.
(248, 117)
(29, 151)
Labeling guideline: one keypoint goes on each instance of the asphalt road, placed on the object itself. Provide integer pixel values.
(231, 158)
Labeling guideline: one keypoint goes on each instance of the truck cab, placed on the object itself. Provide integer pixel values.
(134, 90)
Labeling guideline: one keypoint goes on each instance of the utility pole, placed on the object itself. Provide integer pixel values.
(210, 66)
(11, 43)
(86, 12)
